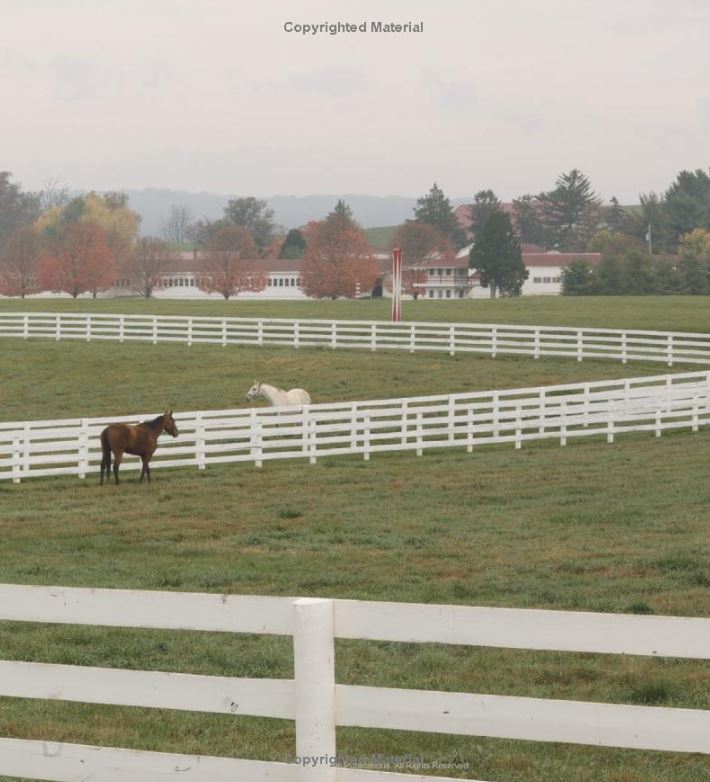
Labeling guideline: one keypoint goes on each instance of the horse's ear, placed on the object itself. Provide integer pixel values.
(171, 413)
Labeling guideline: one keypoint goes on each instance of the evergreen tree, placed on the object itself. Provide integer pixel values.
(485, 203)
(497, 256)
(294, 245)
(686, 204)
(615, 216)
(435, 209)
(528, 221)
(570, 211)
(342, 209)
(579, 279)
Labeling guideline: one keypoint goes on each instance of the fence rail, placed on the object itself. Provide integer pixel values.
(493, 339)
(464, 420)
(313, 699)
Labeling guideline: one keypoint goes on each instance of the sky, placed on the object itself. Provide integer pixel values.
(214, 95)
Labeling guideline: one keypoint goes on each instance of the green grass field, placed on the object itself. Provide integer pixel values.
(670, 313)
(620, 528)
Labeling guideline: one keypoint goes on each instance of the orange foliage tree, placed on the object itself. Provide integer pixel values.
(229, 265)
(79, 260)
(151, 259)
(19, 263)
(419, 242)
(337, 259)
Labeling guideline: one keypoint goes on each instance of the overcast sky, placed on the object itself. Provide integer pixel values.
(213, 95)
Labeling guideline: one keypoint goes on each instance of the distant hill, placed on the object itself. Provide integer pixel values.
(154, 204)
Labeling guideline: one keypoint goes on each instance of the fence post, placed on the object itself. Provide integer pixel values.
(26, 326)
(670, 350)
(695, 412)
(580, 345)
(412, 338)
(333, 335)
(452, 340)
(88, 328)
(451, 422)
(536, 351)
(312, 439)
(624, 355)
(83, 448)
(16, 460)
(403, 440)
(494, 341)
(373, 337)
(224, 332)
(518, 427)
(366, 436)
(200, 442)
(469, 438)
(255, 437)
(610, 423)
(58, 328)
(420, 419)
(189, 332)
(155, 331)
(26, 450)
(314, 677)
(260, 332)
(121, 328)
(659, 417)
(295, 334)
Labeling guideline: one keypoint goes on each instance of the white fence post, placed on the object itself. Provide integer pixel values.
(224, 332)
(16, 464)
(610, 423)
(694, 427)
(452, 340)
(536, 349)
(295, 334)
(121, 328)
(366, 436)
(670, 350)
(260, 332)
(469, 434)
(200, 442)
(83, 449)
(312, 438)
(26, 326)
(155, 331)
(314, 675)
(412, 338)
(256, 450)
(518, 427)
(494, 341)
(580, 345)
(624, 354)
(88, 328)
(58, 328)
(189, 332)
(563, 424)
(373, 336)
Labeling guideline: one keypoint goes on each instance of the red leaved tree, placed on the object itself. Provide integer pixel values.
(338, 258)
(19, 263)
(151, 258)
(78, 260)
(229, 265)
(419, 242)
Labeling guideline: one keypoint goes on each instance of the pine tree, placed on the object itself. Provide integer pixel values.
(570, 211)
(615, 216)
(294, 245)
(497, 256)
(485, 203)
(435, 209)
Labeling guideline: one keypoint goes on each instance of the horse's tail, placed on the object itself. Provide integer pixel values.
(105, 455)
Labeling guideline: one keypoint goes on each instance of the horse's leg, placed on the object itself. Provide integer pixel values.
(116, 464)
(144, 469)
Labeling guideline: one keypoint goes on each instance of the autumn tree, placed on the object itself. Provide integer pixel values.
(229, 264)
(19, 263)
(338, 258)
(151, 259)
(79, 260)
(498, 258)
(176, 224)
(255, 216)
(435, 209)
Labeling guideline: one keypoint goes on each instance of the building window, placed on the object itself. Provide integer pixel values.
(537, 279)
(448, 272)
(431, 294)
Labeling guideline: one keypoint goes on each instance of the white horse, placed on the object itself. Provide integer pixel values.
(277, 397)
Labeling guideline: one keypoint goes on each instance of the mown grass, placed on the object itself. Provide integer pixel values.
(670, 313)
(620, 528)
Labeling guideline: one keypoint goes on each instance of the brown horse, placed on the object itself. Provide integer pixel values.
(139, 440)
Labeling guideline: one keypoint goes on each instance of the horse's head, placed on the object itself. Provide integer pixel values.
(169, 423)
(254, 392)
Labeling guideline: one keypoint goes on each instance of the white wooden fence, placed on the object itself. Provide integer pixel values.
(314, 700)
(536, 341)
(463, 420)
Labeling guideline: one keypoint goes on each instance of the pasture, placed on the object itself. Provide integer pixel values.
(618, 528)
